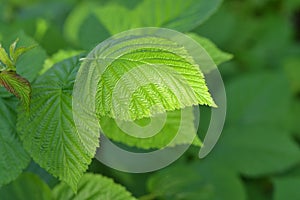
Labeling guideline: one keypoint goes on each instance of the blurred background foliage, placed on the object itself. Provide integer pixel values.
(258, 155)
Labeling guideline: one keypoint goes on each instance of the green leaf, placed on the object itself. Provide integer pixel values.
(17, 85)
(258, 189)
(4, 93)
(286, 188)
(294, 118)
(292, 70)
(58, 57)
(247, 149)
(252, 99)
(4, 58)
(20, 51)
(196, 181)
(76, 19)
(170, 127)
(29, 64)
(13, 157)
(48, 130)
(15, 53)
(42, 173)
(27, 186)
(93, 186)
(26, 66)
(12, 48)
(89, 39)
(217, 55)
(157, 72)
(257, 126)
(186, 16)
(175, 14)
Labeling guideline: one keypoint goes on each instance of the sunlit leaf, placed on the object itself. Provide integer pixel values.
(159, 72)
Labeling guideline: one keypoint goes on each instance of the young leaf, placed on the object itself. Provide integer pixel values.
(12, 48)
(160, 73)
(26, 66)
(48, 130)
(13, 157)
(17, 85)
(14, 54)
(21, 50)
(26, 186)
(93, 186)
(4, 58)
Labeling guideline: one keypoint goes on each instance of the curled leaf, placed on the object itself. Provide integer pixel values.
(4, 58)
(17, 85)
(20, 51)
(12, 48)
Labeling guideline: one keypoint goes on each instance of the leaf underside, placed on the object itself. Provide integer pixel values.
(172, 133)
